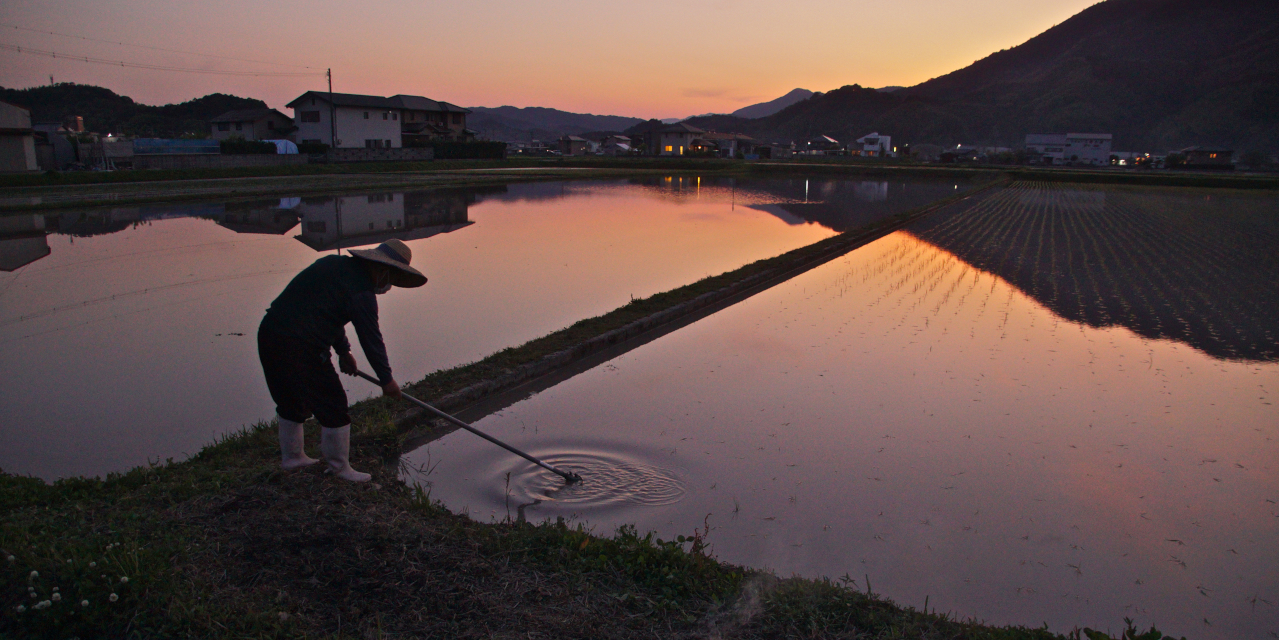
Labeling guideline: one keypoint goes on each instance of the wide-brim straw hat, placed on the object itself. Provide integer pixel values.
(394, 253)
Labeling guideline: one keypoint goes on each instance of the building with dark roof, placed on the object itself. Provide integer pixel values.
(351, 120)
(252, 124)
(670, 140)
(1208, 158)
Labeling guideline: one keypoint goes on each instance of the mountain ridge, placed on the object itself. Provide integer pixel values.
(1157, 74)
(763, 109)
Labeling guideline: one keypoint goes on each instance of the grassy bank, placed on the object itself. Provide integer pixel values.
(225, 545)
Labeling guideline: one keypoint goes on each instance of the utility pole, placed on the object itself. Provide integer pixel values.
(333, 124)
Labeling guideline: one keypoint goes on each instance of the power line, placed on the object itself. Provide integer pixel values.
(157, 67)
(141, 46)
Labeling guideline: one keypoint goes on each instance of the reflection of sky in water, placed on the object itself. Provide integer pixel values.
(900, 414)
(127, 333)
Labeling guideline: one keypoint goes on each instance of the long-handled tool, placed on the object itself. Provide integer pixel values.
(567, 475)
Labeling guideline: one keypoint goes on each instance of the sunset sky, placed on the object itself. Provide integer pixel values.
(654, 59)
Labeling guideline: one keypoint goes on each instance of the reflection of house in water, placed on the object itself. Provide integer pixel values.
(357, 220)
(871, 191)
(22, 241)
(841, 205)
(266, 217)
(1164, 264)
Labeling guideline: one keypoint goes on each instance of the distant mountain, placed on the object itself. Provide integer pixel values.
(105, 111)
(514, 124)
(1153, 72)
(1158, 74)
(773, 106)
(889, 89)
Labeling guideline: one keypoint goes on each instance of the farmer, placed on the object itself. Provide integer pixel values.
(308, 319)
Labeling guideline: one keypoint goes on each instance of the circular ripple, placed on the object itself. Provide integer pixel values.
(606, 480)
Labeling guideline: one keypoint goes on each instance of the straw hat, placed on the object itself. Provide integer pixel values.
(394, 253)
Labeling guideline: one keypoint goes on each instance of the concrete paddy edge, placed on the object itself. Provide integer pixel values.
(226, 545)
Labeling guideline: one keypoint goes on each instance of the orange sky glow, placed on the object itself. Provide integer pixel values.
(650, 60)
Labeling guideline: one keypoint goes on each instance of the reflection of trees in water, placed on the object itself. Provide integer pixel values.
(1183, 265)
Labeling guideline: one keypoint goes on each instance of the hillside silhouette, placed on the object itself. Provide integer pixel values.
(105, 111)
(1158, 74)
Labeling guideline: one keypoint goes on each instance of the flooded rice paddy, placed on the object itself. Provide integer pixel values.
(127, 334)
(1056, 405)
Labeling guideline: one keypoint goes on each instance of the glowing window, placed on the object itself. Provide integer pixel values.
(669, 148)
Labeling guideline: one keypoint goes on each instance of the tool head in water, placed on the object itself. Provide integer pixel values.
(572, 478)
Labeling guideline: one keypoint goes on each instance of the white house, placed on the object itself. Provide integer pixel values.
(350, 121)
(674, 140)
(1069, 148)
(873, 145)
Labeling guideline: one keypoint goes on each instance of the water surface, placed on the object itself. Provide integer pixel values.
(1056, 405)
(127, 334)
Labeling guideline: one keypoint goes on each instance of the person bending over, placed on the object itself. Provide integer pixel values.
(307, 320)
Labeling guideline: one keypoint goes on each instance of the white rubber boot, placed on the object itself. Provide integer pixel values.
(292, 455)
(335, 446)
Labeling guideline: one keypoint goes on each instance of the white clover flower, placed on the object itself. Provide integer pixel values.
(68, 560)
(84, 603)
(92, 565)
(55, 589)
(35, 574)
(104, 576)
(124, 579)
(56, 597)
(33, 593)
(11, 558)
(21, 608)
(43, 604)
(113, 597)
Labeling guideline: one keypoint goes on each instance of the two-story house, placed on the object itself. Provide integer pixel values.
(424, 119)
(873, 145)
(348, 121)
(353, 120)
(671, 140)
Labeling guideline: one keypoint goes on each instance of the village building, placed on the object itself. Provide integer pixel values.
(1069, 148)
(424, 120)
(671, 140)
(1208, 158)
(17, 139)
(873, 145)
(574, 146)
(729, 145)
(252, 124)
(373, 122)
(616, 145)
(822, 146)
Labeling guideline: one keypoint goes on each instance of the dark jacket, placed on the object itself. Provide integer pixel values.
(318, 303)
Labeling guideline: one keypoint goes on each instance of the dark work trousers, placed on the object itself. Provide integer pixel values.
(302, 380)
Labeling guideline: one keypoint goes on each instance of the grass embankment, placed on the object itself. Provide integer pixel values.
(226, 545)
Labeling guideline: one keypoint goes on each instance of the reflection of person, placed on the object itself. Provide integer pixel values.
(308, 319)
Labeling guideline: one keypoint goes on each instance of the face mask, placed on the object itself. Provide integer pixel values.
(383, 283)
